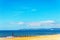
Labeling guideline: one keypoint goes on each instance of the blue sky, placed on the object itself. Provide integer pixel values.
(19, 14)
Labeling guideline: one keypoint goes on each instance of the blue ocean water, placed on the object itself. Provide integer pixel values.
(30, 32)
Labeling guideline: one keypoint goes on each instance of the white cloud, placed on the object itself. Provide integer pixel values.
(48, 21)
(20, 23)
(17, 23)
(34, 24)
(40, 23)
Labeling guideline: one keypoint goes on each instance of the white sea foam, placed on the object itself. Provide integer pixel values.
(6, 37)
(9, 36)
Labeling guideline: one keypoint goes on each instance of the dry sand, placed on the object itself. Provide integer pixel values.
(46, 37)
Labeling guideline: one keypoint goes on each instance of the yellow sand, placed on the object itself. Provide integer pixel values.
(46, 37)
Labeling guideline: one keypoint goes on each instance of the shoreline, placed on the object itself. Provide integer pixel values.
(31, 35)
(45, 37)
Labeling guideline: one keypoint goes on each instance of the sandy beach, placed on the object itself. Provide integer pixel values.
(45, 37)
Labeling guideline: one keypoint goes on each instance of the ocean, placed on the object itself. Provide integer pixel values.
(30, 32)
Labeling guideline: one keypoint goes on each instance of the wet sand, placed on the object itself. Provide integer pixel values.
(45, 37)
